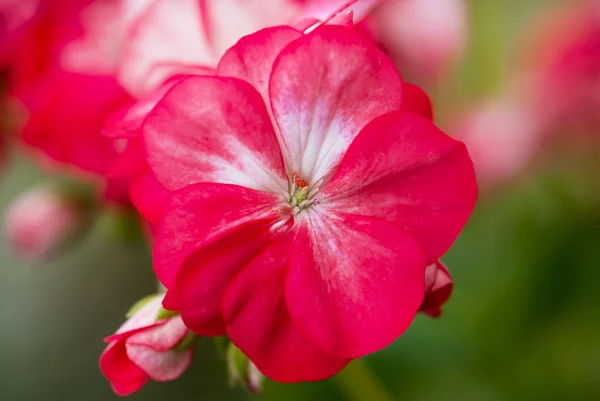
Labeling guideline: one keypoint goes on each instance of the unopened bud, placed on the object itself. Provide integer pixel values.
(47, 218)
(438, 288)
(243, 371)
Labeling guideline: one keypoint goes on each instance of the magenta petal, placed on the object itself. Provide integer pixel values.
(149, 197)
(125, 376)
(65, 121)
(258, 321)
(403, 169)
(325, 87)
(417, 101)
(251, 59)
(209, 232)
(213, 129)
(355, 283)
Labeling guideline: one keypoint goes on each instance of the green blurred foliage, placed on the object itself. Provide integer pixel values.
(521, 325)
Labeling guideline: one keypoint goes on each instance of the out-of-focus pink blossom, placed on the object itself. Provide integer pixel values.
(42, 220)
(165, 38)
(62, 69)
(424, 38)
(562, 68)
(146, 347)
(502, 137)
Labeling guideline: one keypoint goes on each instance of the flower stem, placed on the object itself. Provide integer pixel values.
(358, 383)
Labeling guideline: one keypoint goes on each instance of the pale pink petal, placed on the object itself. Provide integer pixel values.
(324, 89)
(168, 34)
(144, 317)
(213, 129)
(229, 20)
(160, 366)
(161, 338)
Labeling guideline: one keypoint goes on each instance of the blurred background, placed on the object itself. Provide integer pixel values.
(522, 323)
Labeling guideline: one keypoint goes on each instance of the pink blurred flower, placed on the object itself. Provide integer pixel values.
(145, 347)
(293, 157)
(62, 69)
(502, 136)
(42, 220)
(424, 38)
(562, 68)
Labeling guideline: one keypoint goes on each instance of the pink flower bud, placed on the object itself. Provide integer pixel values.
(144, 347)
(43, 219)
(438, 288)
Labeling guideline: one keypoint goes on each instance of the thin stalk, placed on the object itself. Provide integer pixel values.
(358, 383)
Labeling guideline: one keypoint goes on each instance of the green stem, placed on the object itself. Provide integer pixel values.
(358, 383)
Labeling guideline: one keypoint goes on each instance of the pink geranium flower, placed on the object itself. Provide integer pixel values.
(153, 62)
(61, 64)
(145, 347)
(306, 205)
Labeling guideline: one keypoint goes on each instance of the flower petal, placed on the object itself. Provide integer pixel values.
(229, 20)
(164, 39)
(218, 227)
(338, 12)
(325, 87)
(160, 366)
(149, 197)
(143, 318)
(161, 338)
(252, 57)
(355, 283)
(125, 376)
(213, 129)
(416, 101)
(403, 169)
(259, 323)
(66, 121)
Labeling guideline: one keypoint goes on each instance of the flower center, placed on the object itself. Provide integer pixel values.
(300, 195)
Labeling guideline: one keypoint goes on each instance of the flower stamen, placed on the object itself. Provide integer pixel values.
(300, 195)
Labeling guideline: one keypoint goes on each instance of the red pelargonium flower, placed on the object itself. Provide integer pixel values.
(143, 65)
(144, 347)
(306, 206)
(62, 68)
(165, 38)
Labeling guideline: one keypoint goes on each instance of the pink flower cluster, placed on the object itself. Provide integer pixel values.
(298, 192)
(554, 93)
